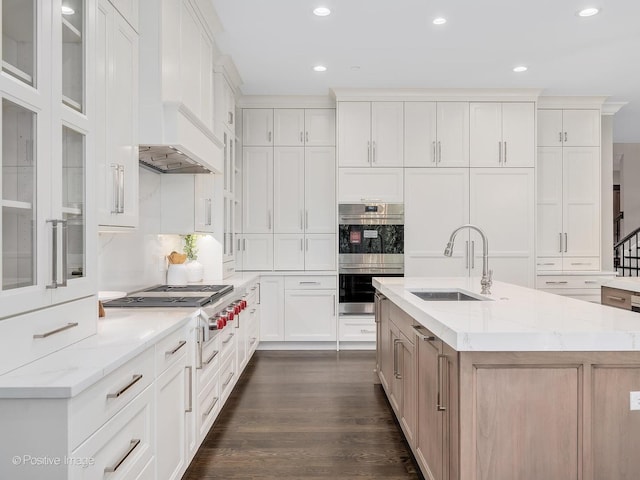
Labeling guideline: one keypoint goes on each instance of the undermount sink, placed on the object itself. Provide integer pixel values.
(446, 296)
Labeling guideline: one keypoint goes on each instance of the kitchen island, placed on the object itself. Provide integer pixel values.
(519, 384)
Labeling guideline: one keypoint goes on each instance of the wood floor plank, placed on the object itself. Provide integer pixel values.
(299, 415)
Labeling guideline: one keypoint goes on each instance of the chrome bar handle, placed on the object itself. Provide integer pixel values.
(244, 244)
(301, 245)
(120, 188)
(65, 253)
(208, 410)
(173, 351)
(135, 379)
(565, 136)
(334, 304)
(230, 119)
(210, 359)
(57, 330)
(268, 219)
(429, 338)
(132, 446)
(505, 152)
(560, 235)
(560, 137)
(439, 151)
(373, 156)
(500, 153)
(208, 211)
(439, 405)
(301, 220)
(396, 373)
(54, 254)
(466, 255)
(228, 379)
(306, 219)
(228, 338)
(269, 136)
(309, 283)
(307, 137)
(301, 140)
(189, 409)
(473, 254)
(566, 242)
(435, 155)
(369, 152)
(306, 240)
(615, 299)
(115, 188)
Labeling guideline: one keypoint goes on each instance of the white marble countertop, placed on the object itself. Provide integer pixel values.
(515, 318)
(631, 284)
(122, 334)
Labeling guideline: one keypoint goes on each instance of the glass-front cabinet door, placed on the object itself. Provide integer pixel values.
(73, 53)
(19, 40)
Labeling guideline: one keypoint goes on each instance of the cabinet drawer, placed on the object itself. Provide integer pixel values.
(580, 263)
(228, 269)
(401, 320)
(615, 297)
(228, 377)
(552, 264)
(310, 282)
(550, 282)
(228, 338)
(25, 338)
(103, 400)
(209, 362)
(171, 349)
(209, 405)
(357, 329)
(123, 447)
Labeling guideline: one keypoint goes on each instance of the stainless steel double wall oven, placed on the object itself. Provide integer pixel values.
(370, 244)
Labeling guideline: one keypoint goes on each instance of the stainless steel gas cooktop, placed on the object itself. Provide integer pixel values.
(170, 296)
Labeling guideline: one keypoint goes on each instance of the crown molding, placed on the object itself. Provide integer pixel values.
(437, 94)
(566, 101)
(611, 108)
(285, 101)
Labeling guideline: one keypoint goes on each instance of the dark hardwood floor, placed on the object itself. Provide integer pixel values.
(299, 415)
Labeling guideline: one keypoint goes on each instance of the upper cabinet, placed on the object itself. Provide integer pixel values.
(176, 68)
(436, 134)
(502, 134)
(47, 243)
(289, 127)
(370, 134)
(569, 128)
(116, 90)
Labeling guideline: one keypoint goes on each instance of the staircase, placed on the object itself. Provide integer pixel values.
(626, 255)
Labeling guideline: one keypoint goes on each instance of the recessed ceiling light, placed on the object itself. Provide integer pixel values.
(321, 11)
(588, 12)
(320, 68)
(439, 21)
(520, 68)
(67, 10)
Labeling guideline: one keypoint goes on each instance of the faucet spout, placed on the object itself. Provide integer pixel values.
(486, 273)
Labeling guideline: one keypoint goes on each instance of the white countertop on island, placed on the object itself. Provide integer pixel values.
(513, 318)
(631, 284)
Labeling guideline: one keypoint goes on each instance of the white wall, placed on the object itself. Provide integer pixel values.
(606, 194)
(629, 184)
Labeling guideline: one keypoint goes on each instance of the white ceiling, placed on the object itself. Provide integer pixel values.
(275, 43)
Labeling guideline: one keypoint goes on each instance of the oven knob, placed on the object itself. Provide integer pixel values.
(220, 323)
(230, 313)
(243, 302)
(225, 318)
(236, 308)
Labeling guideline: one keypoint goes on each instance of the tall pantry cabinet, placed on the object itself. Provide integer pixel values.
(48, 247)
(288, 188)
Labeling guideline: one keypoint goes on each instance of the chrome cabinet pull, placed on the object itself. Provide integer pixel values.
(301, 137)
(301, 220)
(181, 344)
(565, 136)
(500, 153)
(580, 263)
(228, 339)
(505, 152)
(560, 234)
(427, 338)
(439, 151)
(374, 152)
(230, 118)
(210, 359)
(615, 299)
(396, 373)
(334, 305)
(132, 446)
(306, 240)
(435, 156)
(189, 409)
(473, 254)
(560, 137)
(548, 263)
(369, 152)
(365, 331)
(309, 283)
(244, 244)
(57, 330)
(556, 283)
(268, 219)
(269, 136)
(208, 211)
(306, 219)
(440, 401)
(208, 410)
(589, 282)
(252, 341)
(307, 136)
(121, 189)
(301, 246)
(135, 379)
(565, 243)
(116, 189)
(228, 379)
(65, 253)
(54, 254)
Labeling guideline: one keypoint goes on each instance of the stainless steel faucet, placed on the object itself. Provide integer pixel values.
(486, 273)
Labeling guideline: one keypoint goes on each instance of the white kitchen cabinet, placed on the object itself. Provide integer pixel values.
(289, 127)
(257, 251)
(568, 208)
(117, 118)
(186, 203)
(585, 286)
(436, 134)
(320, 190)
(568, 127)
(257, 170)
(436, 203)
(224, 105)
(370, 134)
(373, 185)
(319, 127)
(502, 204)
(502, 134)
(304, 252)
(257, 127)
(289, 189)
(310, 315)
(288, 252)
(48, 205)
(271, 308)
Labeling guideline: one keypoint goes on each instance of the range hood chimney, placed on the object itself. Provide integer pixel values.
(168, 159)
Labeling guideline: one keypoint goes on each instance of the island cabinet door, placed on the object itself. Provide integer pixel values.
(385, 346)
(429, 445)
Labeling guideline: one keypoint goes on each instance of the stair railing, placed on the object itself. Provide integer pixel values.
(616, 226)
(626, 255)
